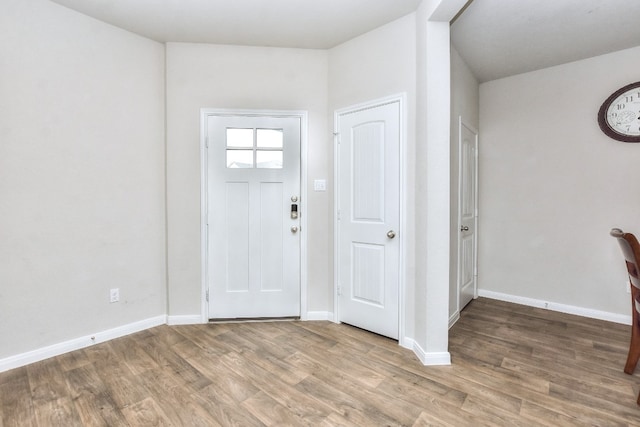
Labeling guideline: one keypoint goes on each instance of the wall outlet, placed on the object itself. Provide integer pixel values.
(114, 295)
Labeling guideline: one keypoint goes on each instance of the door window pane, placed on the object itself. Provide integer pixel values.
(254, 148)
(239, 138)
(239, 159)
(269, 138)
(269, 159)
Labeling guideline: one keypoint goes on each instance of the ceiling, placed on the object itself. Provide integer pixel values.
(497, 38)
(500, 38)
(312, 24)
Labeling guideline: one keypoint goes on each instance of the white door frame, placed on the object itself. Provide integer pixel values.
(402, 100)
(461, 124)
(204, 202)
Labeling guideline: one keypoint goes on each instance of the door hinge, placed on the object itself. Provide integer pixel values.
(338, 214)
(206, 141)
(207, 295)
(339, 291)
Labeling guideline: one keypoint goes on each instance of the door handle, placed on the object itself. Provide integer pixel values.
(294, 229)
(391, 234)
(464, 228)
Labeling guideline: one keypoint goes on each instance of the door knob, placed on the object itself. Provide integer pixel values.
(294, 229)
(391, 234)
(464, 228)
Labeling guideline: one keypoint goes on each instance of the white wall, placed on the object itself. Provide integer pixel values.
(375, 65)
(216, 76)
(552, 185)
(432, 183)
(81, 176)
(465, 103)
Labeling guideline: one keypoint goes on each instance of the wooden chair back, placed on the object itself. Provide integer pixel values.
(631, 252)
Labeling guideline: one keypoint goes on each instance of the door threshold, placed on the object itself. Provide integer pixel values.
(255, 319)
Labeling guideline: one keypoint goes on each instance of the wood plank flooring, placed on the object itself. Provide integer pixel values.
(512, 366)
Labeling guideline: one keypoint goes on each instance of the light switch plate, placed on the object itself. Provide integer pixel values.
(320, 185)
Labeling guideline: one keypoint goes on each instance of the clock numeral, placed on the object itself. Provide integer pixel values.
(628, 98)
(621, 106)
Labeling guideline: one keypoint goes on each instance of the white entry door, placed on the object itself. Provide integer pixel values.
(253, 216)
(467, 215)
(369, 217)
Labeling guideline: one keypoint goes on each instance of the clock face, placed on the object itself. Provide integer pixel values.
(619, 116)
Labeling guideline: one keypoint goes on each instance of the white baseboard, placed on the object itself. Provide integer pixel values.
(184, 320)
(37, 355)
(319, 315)
(428, 359)
(562, 308)
(406, 343)
(454, 318)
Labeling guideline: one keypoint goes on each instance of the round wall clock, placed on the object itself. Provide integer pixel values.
(619, 115)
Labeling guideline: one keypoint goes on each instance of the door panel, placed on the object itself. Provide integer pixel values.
(368, 171)
(236, 236)
(467, 206)
(368, 274)
(271, 245)
(254, 256)
(369, 217)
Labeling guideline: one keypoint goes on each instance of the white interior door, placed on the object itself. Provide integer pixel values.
(467, 215)
(369, 218)
(253, 216)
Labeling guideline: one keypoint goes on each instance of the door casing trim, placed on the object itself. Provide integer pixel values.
(204, 274)
(401, 98)
(462, 123)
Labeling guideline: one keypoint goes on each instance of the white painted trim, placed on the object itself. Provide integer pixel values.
(336, 198)
(304, 126)
(429, 359)
(401, 98)
(43, 353)
(304, 280)
(411, 344)
(319, 315)
(562, 308)
(407, 343)
(404, 209)
(454, 318)
(193, 319)
(437, 358)
(461, 124)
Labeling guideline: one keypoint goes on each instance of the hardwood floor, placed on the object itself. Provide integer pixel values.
(512, 366)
